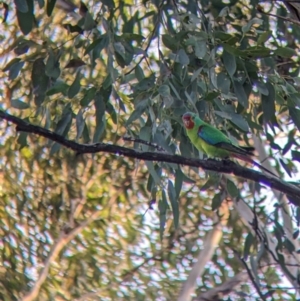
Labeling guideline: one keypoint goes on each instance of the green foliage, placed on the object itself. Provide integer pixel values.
(127, 68)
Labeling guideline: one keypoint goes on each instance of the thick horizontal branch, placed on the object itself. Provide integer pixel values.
(224, 166)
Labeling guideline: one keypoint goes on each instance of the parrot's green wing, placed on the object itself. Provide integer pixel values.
(212, 135)
(216, 138)
(233, 148)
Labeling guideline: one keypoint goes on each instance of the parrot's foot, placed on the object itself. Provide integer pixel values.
(213, 158)
(227, 161)
(218, 159)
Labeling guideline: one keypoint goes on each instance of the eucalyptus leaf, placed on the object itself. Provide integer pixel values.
(216, 201)
(155, 176)
(223, 82)
(64, 123)
(296, 234)
(253, 264)
(229, 62)
(59, 87)
(50, 7)
(25, 15)
(169, 42)
(40, 81)
(88, 97)
(285, 52)
(52, 65)
(213, 77)
(75, 87)
(296, 155)
(98, 44)
(211, 182)
(162, 206)
(137, 113)
(11, 63)
(139, 73)
(174, 203)
(268, 104)
(200, 48)
(196, 74)
(22, 140)
(21, 6)
(164, 90)
(178, 181)
(183, 58)
(262, 88)
(249, 241)
(18, 104)
(80, 124)
(89, 22)
(100, 114)
(248, 26)
(236, 119)
(15, 69)
(240, 94)
(264, 37)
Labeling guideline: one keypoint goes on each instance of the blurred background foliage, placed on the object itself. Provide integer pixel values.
(101, 70)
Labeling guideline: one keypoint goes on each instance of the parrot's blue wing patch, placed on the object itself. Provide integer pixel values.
(211, 135)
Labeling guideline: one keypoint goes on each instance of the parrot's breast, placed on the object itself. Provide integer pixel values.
(195, 140)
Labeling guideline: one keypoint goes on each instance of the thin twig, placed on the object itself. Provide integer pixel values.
(156, 146)
(150, 40)
(250, 275)
(279, 17)
(224, 289)
(125, 278)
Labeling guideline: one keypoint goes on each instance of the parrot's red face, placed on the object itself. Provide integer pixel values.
(188, 122)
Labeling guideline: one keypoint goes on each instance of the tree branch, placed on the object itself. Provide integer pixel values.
(290, 8)
(260, 230)
(217, 293)
(224, 166)
(126, 278)
(57, 247)
(255, 284)
(284, 209)
(205, 255)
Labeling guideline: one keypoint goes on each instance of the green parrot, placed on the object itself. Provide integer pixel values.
(214, 143)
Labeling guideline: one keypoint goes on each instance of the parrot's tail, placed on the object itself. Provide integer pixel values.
(249, 160)
(243, 153)
(249, 149)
